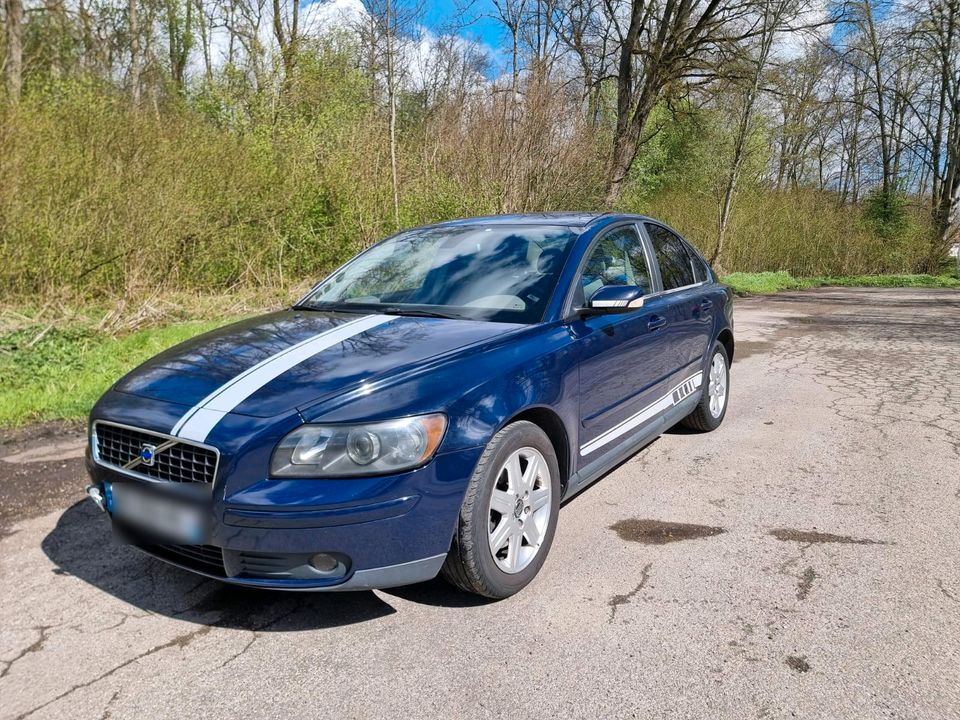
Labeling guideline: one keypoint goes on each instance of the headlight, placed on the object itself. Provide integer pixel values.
(374, 448)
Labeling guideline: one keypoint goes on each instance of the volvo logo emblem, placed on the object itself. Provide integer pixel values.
(148, 454)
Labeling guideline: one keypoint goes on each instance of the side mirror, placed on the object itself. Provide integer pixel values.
(615, 299)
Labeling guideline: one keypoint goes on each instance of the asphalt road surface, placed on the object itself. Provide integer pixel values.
(802, 561)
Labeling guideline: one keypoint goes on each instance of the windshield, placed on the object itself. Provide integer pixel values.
(497, 273)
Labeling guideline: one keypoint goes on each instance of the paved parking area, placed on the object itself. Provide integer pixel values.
(802, 561)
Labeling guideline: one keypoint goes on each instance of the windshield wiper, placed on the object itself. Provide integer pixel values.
(376, 308)
(332, 307)
(414, 312)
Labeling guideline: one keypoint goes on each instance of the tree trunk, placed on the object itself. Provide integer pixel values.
(55, 17)
(392, 101)
(771, 20)
(626, 143)
(203, 22)
(888, 182)
(14, 12)
(288, 39)
(946, 214)
(135, 59)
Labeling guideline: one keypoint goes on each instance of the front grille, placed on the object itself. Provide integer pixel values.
(201, 558)
(183, 462)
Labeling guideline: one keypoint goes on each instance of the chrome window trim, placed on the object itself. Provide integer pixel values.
(671, 291)
(95, 453)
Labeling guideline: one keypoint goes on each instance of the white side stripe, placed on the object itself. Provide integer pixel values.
(674, 397)
(199, 420)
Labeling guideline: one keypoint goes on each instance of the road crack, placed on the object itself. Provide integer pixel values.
(36, 646)
(180, 641)
(617, 600)
(947, 592)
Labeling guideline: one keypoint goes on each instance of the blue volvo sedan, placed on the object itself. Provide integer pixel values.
(425, 409)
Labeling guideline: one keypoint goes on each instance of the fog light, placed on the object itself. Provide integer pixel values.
(324, 563)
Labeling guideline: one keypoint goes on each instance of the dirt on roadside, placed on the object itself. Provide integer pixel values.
(41, 470)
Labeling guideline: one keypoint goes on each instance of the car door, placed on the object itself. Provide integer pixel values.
(689, 310)
(622, 364)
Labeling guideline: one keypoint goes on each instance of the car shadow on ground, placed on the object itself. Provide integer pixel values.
(82, 545)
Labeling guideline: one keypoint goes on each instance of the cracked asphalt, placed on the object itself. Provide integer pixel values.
(802, 561)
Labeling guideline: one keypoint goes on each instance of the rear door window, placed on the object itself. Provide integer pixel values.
(676, 264)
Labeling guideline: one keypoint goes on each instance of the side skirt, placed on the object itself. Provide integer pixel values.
(596, 469)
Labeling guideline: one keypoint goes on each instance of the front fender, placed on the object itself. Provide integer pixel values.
(479, 391)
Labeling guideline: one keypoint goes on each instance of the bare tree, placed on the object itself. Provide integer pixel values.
(511, 14)
(390, 45)
(389, 33)
(286, 31)
(660, 43)
(936, 34)
(179, 19)
(586, 32)
(205, 24)
(794, 86)
(774, 18)
(14, 64)
(875, 53)
(849, 121)
(135, 59)
(56, 21)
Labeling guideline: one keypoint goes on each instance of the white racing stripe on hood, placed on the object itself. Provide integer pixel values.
(199, 420)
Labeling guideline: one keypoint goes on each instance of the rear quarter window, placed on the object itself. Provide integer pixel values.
(701, 270)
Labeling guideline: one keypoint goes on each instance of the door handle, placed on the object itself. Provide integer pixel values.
(656, 322)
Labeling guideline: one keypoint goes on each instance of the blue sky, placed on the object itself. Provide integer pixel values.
(483, 27)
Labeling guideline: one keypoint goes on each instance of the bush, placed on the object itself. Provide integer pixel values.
(233, 188)
(803, 232)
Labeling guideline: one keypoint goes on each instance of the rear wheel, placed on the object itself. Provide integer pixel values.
(508, 516)
(714, 393)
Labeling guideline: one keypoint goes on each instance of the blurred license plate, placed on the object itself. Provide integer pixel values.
(165, 518)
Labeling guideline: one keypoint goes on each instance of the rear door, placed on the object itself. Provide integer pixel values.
(623, 366)
(689, 310)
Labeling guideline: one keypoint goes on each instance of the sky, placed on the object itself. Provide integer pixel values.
(474, 20)
(482, 25)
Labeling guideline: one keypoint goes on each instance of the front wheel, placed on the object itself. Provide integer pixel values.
(714, 393)
(508, 516)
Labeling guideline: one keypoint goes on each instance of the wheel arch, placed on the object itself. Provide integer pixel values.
(725, 338)
(548, 420)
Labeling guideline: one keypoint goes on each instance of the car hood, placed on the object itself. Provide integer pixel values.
(287, 360)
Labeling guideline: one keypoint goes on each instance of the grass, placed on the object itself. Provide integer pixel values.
(60, 373)
(767, 283)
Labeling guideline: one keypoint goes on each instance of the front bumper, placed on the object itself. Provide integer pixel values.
(386, 531)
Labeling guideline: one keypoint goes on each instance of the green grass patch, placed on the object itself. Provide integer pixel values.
(767, 283)
(60, 373)
(761, 283)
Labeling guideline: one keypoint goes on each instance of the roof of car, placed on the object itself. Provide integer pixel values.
(573, 219)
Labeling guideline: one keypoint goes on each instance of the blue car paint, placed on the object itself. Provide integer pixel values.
(590, 374)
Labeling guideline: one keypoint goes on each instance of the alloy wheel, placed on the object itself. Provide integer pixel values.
(717, 389)
(519, 509)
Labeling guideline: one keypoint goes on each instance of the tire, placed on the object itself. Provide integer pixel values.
(703, 419)
(471, 563)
